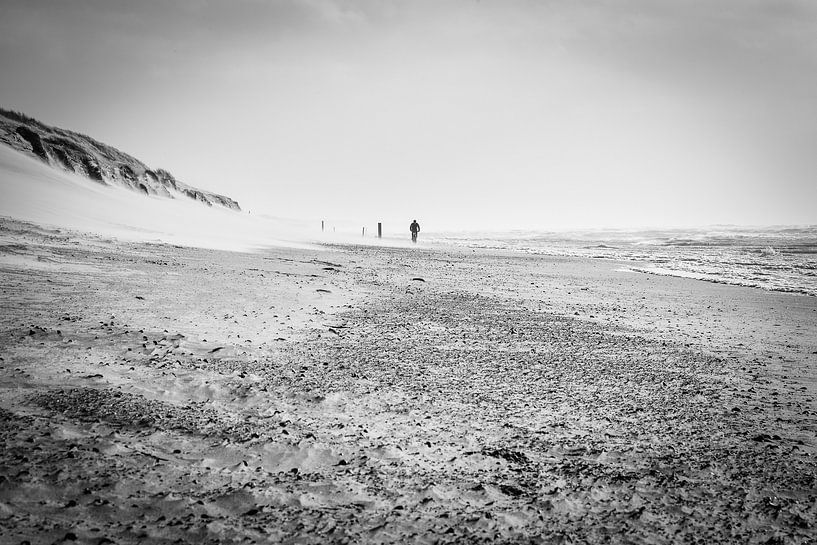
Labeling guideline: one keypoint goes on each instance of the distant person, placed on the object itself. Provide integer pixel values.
(414, 228)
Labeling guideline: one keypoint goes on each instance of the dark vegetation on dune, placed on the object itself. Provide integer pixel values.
(74, 152)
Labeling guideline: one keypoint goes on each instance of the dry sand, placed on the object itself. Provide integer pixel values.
(154, 393)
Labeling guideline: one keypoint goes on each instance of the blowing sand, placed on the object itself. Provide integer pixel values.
(155, 393)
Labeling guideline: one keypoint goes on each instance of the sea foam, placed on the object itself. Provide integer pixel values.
(772, 258)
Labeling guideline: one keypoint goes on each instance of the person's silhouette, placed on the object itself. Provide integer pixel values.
(414, 228)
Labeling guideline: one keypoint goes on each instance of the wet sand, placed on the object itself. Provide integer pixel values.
(153, 393)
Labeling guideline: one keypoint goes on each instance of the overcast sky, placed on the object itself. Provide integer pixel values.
(464, 114)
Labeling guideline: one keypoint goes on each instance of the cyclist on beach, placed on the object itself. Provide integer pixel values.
(414, 228)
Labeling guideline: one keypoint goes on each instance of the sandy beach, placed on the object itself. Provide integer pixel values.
(152, 393)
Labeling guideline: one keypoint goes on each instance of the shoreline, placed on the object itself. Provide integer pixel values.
(737, 259)
(795, 291)
(372, 394)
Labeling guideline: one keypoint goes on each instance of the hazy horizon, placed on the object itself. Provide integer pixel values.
(465, 115)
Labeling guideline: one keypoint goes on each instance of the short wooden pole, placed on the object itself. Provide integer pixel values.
(379, 230)
(364, 232)
(321, 226)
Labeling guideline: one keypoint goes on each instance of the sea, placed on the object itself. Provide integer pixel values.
(770, 258)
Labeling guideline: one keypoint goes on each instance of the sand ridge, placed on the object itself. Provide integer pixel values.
(153, 393)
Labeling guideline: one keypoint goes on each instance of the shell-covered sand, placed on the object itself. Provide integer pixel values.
(160, 394)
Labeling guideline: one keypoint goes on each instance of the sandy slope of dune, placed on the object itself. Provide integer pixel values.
(33, 191)
(153, 393)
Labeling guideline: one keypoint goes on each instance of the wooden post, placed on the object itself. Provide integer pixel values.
(364, 232)
(379, 230)
(321, 226)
